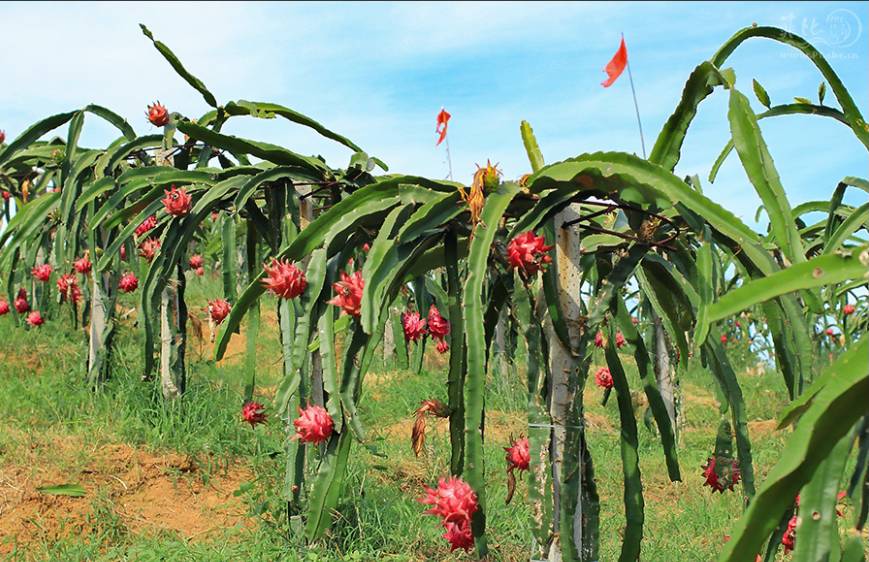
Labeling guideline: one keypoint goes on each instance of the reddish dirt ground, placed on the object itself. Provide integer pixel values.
(133, 490)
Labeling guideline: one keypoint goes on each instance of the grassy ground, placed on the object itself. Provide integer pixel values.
(190, 481)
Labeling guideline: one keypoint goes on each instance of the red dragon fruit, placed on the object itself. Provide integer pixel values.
(148, 224)
(35, 319)
(848, 309)
(21, 304)
(157, 114)
(5, 194)
(414, 326)
(128, 283)
(314, 424)
(2, 136)
(721, 473)
(253, 413)
(518, 454)
(528, 253)
(603, 378)
(67, 284)
(348, 293)
(789, 538)
(196, 261)
(148, 248)
(83, 265)
(218, 309)
(284, 279)
(620, 340)
(42, 272)
(599, 340)
(452, 500)
(4, 307)
(459, 534)
(199, 271)
(177, 201)
(442, 346)
(438, 326)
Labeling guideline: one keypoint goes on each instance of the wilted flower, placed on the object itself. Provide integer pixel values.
(284, 279)
(314, 424)
(528, 253)
(348, 293)
(427, 408)
(157, 114)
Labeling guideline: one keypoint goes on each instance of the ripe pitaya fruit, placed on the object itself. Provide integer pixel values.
(721, 473)
(157, 114)
(284, 279)
(128, 283)
(177, 201)
(314, 424)
(528, 253)
(83, 265)
(253, 413)
(414, 326)
(218, 309)
(603, 378)
(35, 319)
(148, 224)
(4, 307)
(196, 261)
(348, 293)
(42, 272)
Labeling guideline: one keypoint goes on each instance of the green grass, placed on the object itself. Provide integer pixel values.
(44, 402)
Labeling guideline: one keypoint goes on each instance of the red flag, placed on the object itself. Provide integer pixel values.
(441, 128)
(616, 66)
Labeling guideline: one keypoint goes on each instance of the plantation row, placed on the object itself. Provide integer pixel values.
(592, 263)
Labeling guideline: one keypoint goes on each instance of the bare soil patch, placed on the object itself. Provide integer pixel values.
(129, 489)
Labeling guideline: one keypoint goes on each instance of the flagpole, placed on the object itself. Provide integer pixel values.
(449, 160)
(636, 105)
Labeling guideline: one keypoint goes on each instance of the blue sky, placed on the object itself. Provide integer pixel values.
(379, 72)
